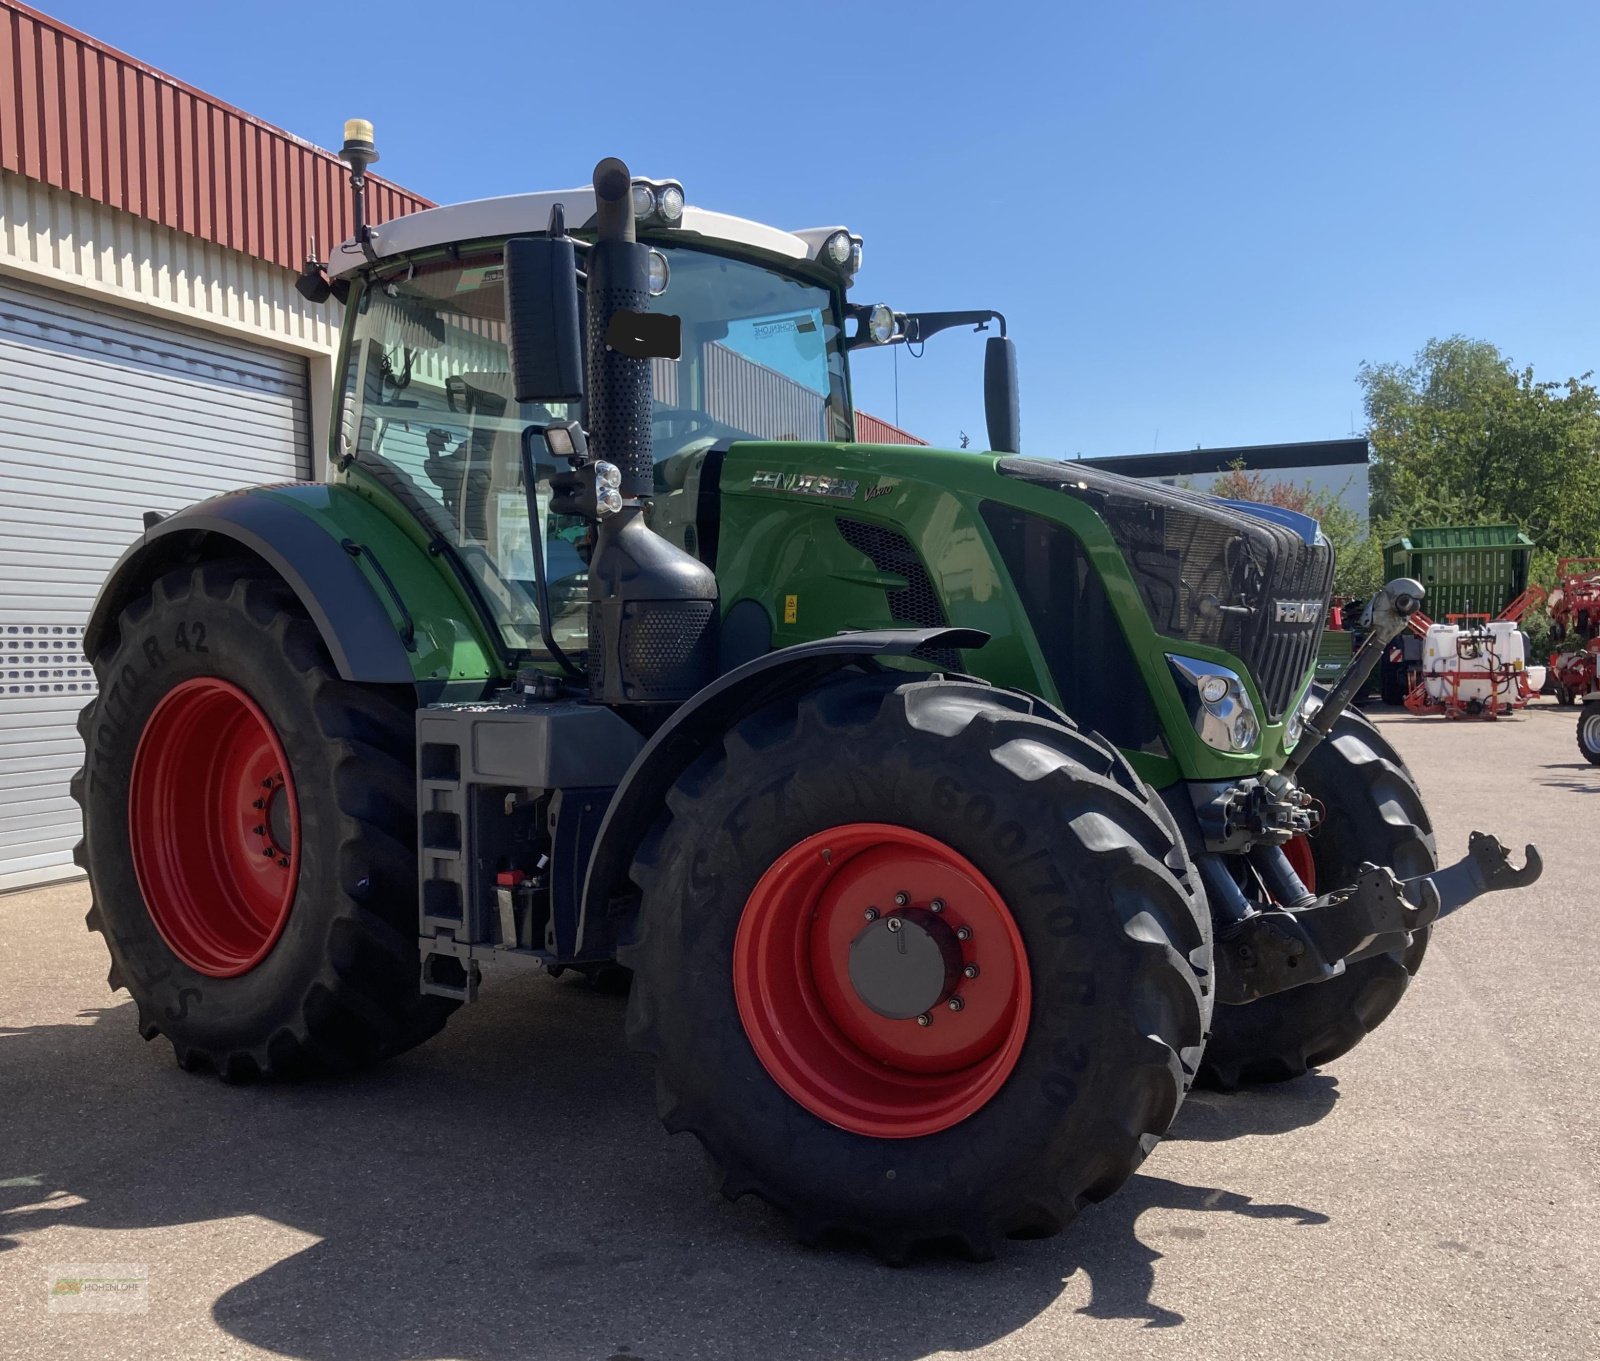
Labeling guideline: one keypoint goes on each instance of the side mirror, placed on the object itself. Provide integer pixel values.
(545, 340)
(1001, 405)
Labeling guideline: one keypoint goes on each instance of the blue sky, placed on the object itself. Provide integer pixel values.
(1198, 217)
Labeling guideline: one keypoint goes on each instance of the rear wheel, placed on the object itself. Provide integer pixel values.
(1589, 732)
(1372, 811)
(249, 833)
(918, 963)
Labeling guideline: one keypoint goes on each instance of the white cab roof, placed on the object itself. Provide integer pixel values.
(490, 218)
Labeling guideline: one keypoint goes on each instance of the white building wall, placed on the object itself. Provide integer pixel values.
(58, 239)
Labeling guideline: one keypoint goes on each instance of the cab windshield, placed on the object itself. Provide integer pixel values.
(427, 409)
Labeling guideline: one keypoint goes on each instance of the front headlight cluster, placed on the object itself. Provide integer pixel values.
(1218, 703)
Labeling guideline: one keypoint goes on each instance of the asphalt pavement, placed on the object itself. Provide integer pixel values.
(506, 1191)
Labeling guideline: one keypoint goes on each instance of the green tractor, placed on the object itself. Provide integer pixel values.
(954, 812)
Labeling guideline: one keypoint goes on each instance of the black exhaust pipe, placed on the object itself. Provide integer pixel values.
(653, 613)
(619, 385)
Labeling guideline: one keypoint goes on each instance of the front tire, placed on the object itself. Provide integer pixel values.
(1372, 812)
(249, 833)
(826, 1091)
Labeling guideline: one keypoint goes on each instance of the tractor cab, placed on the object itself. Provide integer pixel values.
(427, 410)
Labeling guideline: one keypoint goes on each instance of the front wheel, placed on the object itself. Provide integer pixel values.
(918, 963)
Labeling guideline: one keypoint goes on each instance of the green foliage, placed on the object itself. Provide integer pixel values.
(1461, 437)
(1358, 559)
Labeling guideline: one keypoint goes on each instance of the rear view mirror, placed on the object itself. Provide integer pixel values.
(545, 339)
(1001, 404)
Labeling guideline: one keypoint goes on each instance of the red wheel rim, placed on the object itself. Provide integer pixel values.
(214, 827)
(1297, 850)
(814, 1029)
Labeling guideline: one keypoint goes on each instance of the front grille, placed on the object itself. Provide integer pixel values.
(1209, 573)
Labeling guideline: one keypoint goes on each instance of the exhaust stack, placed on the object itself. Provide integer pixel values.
(653, 610)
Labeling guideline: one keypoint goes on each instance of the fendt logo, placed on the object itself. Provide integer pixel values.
(1296, 611)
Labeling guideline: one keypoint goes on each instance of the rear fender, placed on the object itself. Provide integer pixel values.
(669, 752)
(385, 610)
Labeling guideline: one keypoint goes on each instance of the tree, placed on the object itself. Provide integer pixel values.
(1358, 564)
(1462, 437)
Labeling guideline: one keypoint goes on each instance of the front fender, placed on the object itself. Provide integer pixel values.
(384, 610)
(715, 709)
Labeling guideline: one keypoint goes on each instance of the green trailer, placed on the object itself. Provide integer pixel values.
(1467, 569)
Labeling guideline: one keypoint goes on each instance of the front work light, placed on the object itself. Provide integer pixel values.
(659, 274)
(837, 248)
(880, 323)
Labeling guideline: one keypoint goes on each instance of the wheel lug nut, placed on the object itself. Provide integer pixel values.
(269, 852)
(893, 923)
(937, 905)
(956, 1004)
(283, 862)
(963, 933)
(971, 971)
(259, 803)
(871, 914)
(259, 831)
(924, 1020)
(902, 898)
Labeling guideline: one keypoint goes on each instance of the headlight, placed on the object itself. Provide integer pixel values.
(1245, 732)
(607, 474)
(659, 274)
(644, 200)
(609, 501)
(855, 257)
(837, 248)
(669, 203)
(1295, 728)
(1218, 704)
(880, 324)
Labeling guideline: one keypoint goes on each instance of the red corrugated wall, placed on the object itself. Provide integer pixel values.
(84, 118)
(871, 430)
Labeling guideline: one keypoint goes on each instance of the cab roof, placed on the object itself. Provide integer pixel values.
(529, 214)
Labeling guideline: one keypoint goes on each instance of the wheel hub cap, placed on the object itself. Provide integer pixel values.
(904, 965)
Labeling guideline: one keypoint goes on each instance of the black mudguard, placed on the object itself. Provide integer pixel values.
(347, 611)
(714, 709)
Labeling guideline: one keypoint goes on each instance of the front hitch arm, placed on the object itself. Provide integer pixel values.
(1392, 609)
(1276, 950)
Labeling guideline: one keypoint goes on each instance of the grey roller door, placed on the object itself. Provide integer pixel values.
(104, 413)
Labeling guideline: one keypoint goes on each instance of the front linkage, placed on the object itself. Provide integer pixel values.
(1301, 937)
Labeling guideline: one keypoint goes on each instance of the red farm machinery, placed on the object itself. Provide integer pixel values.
(1575, 630)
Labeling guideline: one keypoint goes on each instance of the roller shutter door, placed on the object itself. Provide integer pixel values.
(104, 414)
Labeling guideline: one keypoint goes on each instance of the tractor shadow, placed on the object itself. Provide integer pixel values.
(506, 1191)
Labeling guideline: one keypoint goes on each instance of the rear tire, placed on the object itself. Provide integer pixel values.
(1589, 733)
(1373, 812)
(1115, 947)
(328, 982)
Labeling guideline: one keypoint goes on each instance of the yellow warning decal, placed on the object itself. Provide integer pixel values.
(791, 609)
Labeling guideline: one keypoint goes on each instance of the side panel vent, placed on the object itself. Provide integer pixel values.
(918, 603)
